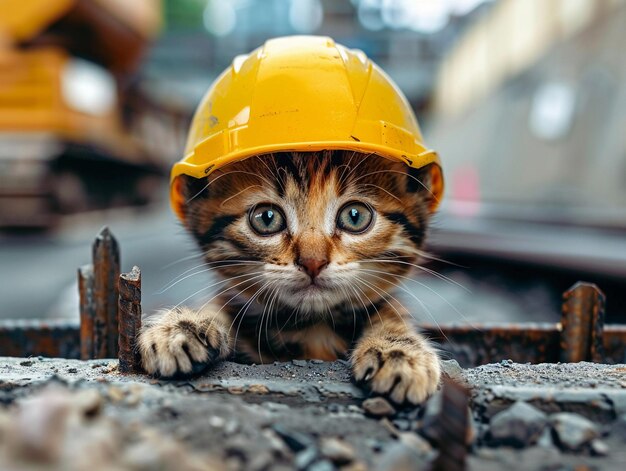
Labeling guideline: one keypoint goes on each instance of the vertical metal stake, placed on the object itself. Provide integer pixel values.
(582, 324)
(129, 321)
(106, 268)
(87, 311)
(453, 428)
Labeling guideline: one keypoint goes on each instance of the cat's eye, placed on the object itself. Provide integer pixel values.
(355, 217)
(267, 219)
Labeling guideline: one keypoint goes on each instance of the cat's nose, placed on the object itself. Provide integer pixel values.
(312, 266)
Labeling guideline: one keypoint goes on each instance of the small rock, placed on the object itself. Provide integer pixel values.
(295, 440)
(299, 363)
(305, 458)
(258, 389)
(400, 457)
(599, 448)
(89, 402)
(416, 442)
(274, 406)
(72, 370)
(337, 451)
(231, 427)
(402, 424)
(519, 426)
(216, 421)
(356, 466)
(375, 445)
(26, 363)
(378, 407)
(323, 465)
(545, 440)
(573, 431)
(115, 394)
(260, 461)
(619, 428)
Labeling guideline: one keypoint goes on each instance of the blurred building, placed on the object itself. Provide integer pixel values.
(530, 113)
(406, 38)
(531, 106)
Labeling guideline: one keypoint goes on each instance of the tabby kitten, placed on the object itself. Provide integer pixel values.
(310, 246)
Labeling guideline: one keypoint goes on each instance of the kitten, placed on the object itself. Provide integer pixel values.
(310, 246)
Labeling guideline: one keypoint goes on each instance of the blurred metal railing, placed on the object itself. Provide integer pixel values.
(110, 318)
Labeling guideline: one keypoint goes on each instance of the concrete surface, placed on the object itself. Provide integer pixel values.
(299, 415)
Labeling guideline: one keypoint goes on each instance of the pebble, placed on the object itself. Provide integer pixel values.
(520, 425)
(305, 458)
(299, 363)
(337, 451)
(378, 407)
(573, 431)
(416, 442)
(402, 424)
(599, 448)
(400, 457)
(619, 428)
(295, 440)
(355, 466)
(116, 394)
(323, 465)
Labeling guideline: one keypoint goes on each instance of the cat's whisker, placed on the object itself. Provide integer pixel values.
(383, 297)
(267, 307)
(239, 293)
(429, 256)
(206, 264)
(223, 175)
(426, 287)
(355, 287)
(401, 173)
(260, 322)
(404, 288)
(181, 260)
(364, 158)
(381, 189)
(256, 274)
(419, 267)
(206, 270)
(401, 286)
(223, 203)
(247, 306)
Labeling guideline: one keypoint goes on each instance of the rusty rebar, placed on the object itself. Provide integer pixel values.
(87, 308)
(453, 428)
(106, 268)
(582, 324)
(129, 321)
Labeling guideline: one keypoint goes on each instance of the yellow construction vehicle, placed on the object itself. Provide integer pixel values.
(65, 66)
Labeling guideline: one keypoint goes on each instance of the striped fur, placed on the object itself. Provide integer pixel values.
(271, 309)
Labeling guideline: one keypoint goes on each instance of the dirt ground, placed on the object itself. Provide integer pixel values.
(69, 414)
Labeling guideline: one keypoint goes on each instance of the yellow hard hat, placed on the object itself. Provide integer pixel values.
(300, 93)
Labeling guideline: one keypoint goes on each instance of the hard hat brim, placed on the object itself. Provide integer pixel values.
(426, 157)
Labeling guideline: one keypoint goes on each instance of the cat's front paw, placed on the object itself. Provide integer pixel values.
(404, 373)
(181, 342)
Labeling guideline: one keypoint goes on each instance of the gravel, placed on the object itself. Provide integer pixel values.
(573, 431)
(519, 426)
(307, 415)
(378, 407)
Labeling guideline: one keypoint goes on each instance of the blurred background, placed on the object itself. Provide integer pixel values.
(524, 99)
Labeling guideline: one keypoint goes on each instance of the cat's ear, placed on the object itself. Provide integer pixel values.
(428, 182)
(183, 190)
